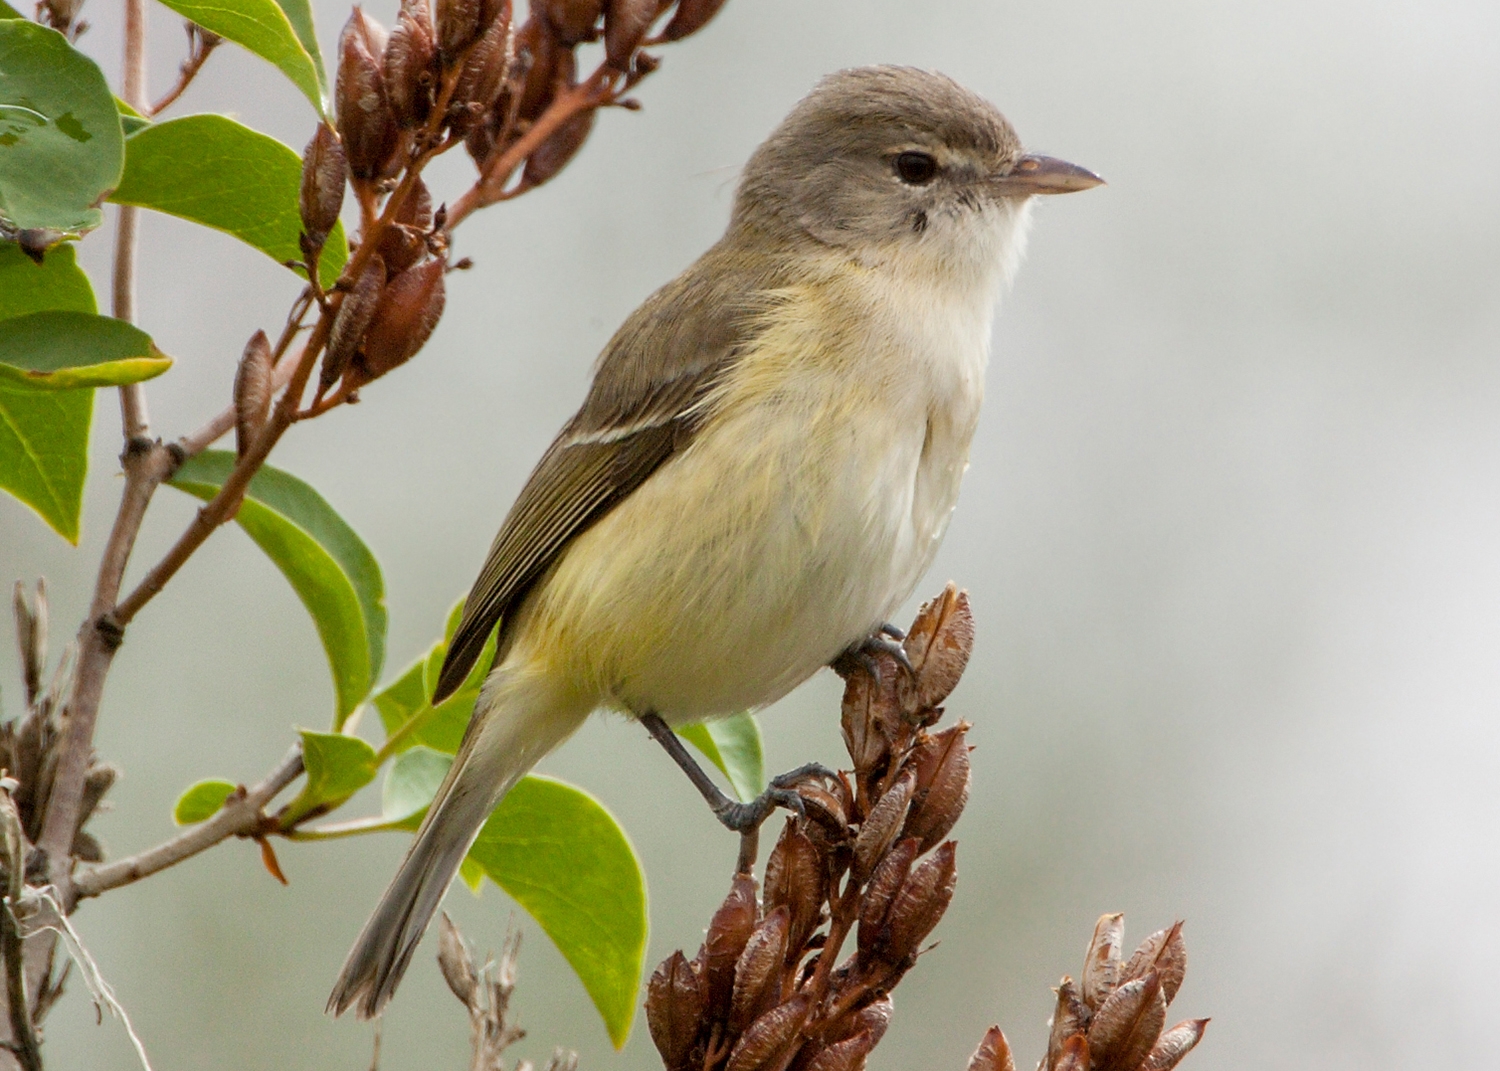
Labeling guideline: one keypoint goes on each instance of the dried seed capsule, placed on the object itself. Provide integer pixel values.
(1069, 1019)
(482, 77)
(882, 826)
(404, 242)
(690, 17)
(993, 1053)
(941, 764)
(366, 124)
(252, 391)
(455, 962)
(625, 25)
(920, 904)
(757, 975)
(410, 67)
(1073, 1056)
(865, 742)
(728, 933)
(552, 155)
(31, 637)
(1172, 1046)
(1101, 965)
(1164, 953)
(572, 21)
(354, 315)
(408, 311)
(550, 67)
(674, 1010)
(767, 1040)
(795, 879)
(324, 172)
(873, 1019)
(1127, 1025)
(885, 883)
(938, 647)
(824, 808)
(846, 1055)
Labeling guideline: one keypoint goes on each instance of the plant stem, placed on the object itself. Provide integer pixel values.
(240, 816)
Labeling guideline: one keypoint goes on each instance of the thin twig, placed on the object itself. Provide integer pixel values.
(201, 48)
(23, 1044)
(240, 816)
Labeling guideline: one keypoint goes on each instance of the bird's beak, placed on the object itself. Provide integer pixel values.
(1044, 174)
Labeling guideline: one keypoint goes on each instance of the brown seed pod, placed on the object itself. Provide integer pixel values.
(941, 764)
(483, 76)
(462, 22)
(795, 879)
(920, 904)
(728, 933)
(1163, 952)
(1072, 1056)
(846, 1055)
(993, 1053)
(885, 883)
(354, 315)
(757, 975)
(882, 826)
(690, 17)
(552, 155)
(867, 746)
(252, 391)
(404, 242)
(572, 21)
(1070, 1018)
(1127, 1025)
(674, 1010)
(824, 808)
(550, 67)
(324, 173)
(410, 64)
(766, 1042)
(408, 311)
(938, 647)
(455, 962)
(1173, 1045)
(625, 26)
(369, 131)
(1101, 964)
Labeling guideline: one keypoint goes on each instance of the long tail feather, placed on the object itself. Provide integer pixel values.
(519, 717)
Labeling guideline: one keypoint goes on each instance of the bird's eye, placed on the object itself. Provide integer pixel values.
(916, 168)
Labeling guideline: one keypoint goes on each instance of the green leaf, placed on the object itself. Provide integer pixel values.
(44, 436)
(410, 785)
(299, 14)
(214, 171)
(264, 28)
(564, 858)
(201, 801)
(68, 350)
(337, 766)
(733, 745)
(404, 704)
(61, 147)
(130, 119)
(330, 568)
(8, 12)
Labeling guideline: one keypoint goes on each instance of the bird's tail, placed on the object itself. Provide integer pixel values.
(521, 715)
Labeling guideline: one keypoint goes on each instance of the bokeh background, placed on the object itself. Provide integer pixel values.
(1232, 532)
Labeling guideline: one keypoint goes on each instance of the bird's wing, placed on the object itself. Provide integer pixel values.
(645, 404)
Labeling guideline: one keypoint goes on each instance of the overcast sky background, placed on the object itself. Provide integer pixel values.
(1230, 530)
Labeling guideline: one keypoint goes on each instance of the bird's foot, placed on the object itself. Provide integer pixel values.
(743, 818)
(862, 655)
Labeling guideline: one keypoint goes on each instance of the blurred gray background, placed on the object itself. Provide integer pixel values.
(1232, 532)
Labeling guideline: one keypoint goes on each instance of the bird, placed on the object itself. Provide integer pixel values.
(763, 467)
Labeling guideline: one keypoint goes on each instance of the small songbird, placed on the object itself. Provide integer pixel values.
(763, 468)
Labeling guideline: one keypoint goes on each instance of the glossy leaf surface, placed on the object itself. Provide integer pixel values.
(71, 350)
(220, 173)
(337, 767)
(733, 745)
(327, 564)
(61, 147)
(201, 801)
(44, 435)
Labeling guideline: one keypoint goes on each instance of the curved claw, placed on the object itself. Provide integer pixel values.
(892, 631)
(812, 771)
(745, 818)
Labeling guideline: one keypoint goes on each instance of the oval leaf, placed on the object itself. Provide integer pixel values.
(201, 801)
(405, 707)
(44, 436)
(564, 858)
(61, 147)
(410, 785)
(263, 27)
(214, 171)
(330, 568)
(337, 767)
(67, 350)
(733, 745)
